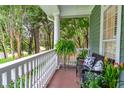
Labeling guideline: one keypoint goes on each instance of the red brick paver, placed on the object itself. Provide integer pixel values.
(64, 79)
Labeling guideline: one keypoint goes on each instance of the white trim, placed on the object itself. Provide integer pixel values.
(105, 7)
(118, 36)
(67, 11)
(91, 8)
(101, 31)
(109, 40)
(89, 34)
(56, 29)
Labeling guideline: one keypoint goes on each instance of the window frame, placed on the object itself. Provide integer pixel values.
(118, 32)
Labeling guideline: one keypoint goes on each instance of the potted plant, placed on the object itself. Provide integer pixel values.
(108, 79)
(111, 74)
(65, 48)
(82, 55)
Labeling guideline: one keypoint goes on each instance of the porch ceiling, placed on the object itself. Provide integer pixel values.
(69, 11)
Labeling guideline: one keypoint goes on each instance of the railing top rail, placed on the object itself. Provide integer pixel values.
(24, 59)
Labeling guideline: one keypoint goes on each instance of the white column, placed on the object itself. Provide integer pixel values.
(56, 35)
(56, 29)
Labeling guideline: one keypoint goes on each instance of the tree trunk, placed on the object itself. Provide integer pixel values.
(86, 39)
(52, 41)
(36, 41)
(30, 43)
(19, 47)
(3, 45)
(79, 42)
(3, 48)
(11, 31)
(11, 43)
(49, 40)
(18, 41)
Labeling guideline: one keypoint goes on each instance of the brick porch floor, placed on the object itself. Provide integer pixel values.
(64, 79)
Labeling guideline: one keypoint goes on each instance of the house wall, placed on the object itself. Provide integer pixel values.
(94, 33)
(122, 37)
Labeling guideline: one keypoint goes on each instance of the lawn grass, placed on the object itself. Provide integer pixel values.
(3, 60)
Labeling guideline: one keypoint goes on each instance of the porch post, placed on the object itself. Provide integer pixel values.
(56, 35)
(56, 29)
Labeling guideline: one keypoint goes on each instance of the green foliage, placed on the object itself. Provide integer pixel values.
(22, 21)
(65, 47)
(111, 75)
(3, 60)
(93, 81)
(11, 83)
(35, 15)
(75, 29)
(83, 54)
(108, 79)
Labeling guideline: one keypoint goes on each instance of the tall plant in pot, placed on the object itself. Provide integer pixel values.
(81, 56)
(65, 48)
(111, 74)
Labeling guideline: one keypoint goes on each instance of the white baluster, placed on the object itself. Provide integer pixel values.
(0, 80)
(35, 75)
(8, 77)
(26, 75)
(43, 70)
(30, 77)
(33, 79)
(31, 73)
(20, 76)
(42, 60)
(38, 72)
(13, 76)
(4, 79)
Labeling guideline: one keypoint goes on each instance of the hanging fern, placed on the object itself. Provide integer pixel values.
(65, 47)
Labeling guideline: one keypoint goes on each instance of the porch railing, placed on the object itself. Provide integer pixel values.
(72, 60)
(33, 71)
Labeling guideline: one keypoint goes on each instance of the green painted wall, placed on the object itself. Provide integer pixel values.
(94, 34)
(122, 37)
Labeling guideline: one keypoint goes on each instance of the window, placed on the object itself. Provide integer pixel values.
(109, 31)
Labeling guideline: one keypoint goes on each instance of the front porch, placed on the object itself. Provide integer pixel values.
(42, 70)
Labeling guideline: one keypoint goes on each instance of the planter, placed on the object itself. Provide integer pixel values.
(80, 60)
(79, 65)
